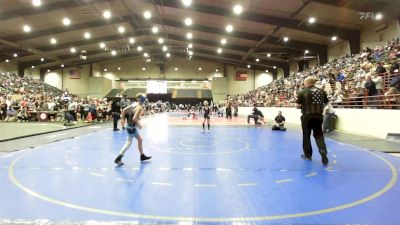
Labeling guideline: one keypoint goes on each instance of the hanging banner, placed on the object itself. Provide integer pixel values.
(203, 85)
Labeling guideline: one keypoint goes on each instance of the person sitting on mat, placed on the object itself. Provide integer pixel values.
(279, 122)
(256, 115)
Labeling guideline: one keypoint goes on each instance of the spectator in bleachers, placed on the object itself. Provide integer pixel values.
(378, 83)
(371, 90)
(395, 82)
(3, 109)
(380, 68)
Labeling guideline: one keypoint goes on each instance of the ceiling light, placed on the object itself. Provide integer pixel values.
(154, 30)
(26, 28)
(36, 3)
(160, 40)
(266, 71)
(164, 48)
(33, 67)
(237, 9)
(334, 38)
(15, 55)
(102, 45)
(189, 35)
(113, 52)
(285, 39)
(139, 48)
(268, 55)
(219, 50)
(121, 29)
(53, 41)
(229, 28)
(119, 68)
(188, 21)
(147, 15)
(306, 52)
(274, 67)
(66, 21)
(42, 59)
(7, 60)
(144, 68)
(132, 40)
(190, 45)
(62, 65)
(223, 41)
(248, 66)
(187, 2)
(216, 70)
(105, 70)
(107, 14)
(200, 68)
(168, 55)
(257, 60)
(73, 50)
(146, 55)
(378, 16)
(176, 68)
(87, 35)
(311, 20)
(48, 71)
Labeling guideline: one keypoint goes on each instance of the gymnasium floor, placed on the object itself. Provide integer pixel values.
(238, 174)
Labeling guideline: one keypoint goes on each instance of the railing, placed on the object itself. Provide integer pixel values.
(366, 102)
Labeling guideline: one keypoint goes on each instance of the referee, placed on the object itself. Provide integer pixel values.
(311, 100)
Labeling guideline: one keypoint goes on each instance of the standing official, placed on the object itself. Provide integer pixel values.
(116, 112)
(311, 100)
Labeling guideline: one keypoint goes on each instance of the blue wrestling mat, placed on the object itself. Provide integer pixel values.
(233, 175)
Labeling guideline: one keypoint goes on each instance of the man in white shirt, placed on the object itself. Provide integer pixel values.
(329, 118)
(378, 83)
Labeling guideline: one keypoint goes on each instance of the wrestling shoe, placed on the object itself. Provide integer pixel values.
(325, 159)
(143, 157)
(305, 157)
(118, 160)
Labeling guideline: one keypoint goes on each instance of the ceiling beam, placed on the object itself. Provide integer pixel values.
(300, 45)
(45, 8)
(32, 50)
(320, 29)
(61, 29)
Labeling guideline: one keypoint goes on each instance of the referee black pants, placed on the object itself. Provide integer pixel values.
(312, 123)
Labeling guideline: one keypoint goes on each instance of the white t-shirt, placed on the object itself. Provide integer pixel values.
(378, 82)
(328, 108)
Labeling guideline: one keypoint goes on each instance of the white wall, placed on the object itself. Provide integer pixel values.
(54, 78)
(370, 122)
(32, 72)
(280, 73)
(263, 78)
(380, 34)
(338, 50)
(293, 67)
(8, 67)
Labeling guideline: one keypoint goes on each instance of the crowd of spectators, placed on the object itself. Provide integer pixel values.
(25, 99)
(357, 78)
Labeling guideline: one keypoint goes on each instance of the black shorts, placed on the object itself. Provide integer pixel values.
(206, 116)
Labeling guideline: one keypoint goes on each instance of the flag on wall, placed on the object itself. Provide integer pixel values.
(241, 75)
(75, 74)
